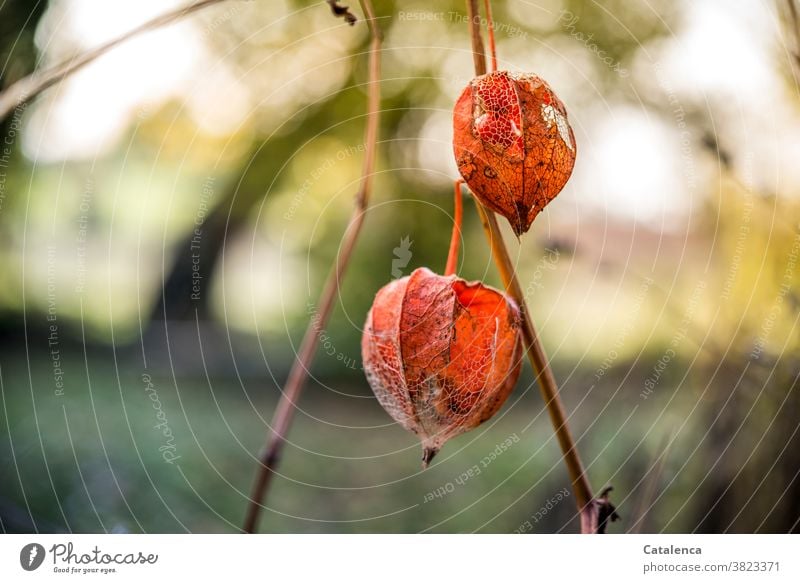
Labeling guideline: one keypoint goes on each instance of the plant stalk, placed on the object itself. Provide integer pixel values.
(284, 412)
(588, 507)
(487, 5)
(455, 238)
(29, 87)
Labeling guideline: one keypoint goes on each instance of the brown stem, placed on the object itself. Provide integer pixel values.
(794, 27)
(589, 508)
(455, 239)
(284, 412)
(490, 30)
(29, 87)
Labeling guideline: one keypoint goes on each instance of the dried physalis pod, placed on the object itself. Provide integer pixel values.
(513, 144)
(441, 354)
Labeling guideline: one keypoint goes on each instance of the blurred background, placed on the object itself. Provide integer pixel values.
(169, 213)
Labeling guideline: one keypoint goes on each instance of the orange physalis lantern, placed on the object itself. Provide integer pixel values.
(513, 144)
(441, 354)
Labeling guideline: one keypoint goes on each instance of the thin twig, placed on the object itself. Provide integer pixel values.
(794, 26)
(487, 4)
(455, 238)
(284, 413)
(588, 507)
(342, 12)
(29, 87)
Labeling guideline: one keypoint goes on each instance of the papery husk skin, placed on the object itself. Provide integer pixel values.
(441, 354)
(513, 144)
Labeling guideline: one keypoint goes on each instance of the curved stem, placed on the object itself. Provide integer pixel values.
(284, 412)
(538, 359)
(589, 508)
(455, 239)
(29, 87)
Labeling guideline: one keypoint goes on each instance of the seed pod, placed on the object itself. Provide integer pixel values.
(513, 144)
(441, 354)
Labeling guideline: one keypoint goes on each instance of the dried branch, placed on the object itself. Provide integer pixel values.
(455, 238)
(29, 87)
(794, 29)
(284, 412)
(487, 6)
(342, 12)
(594, 512)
